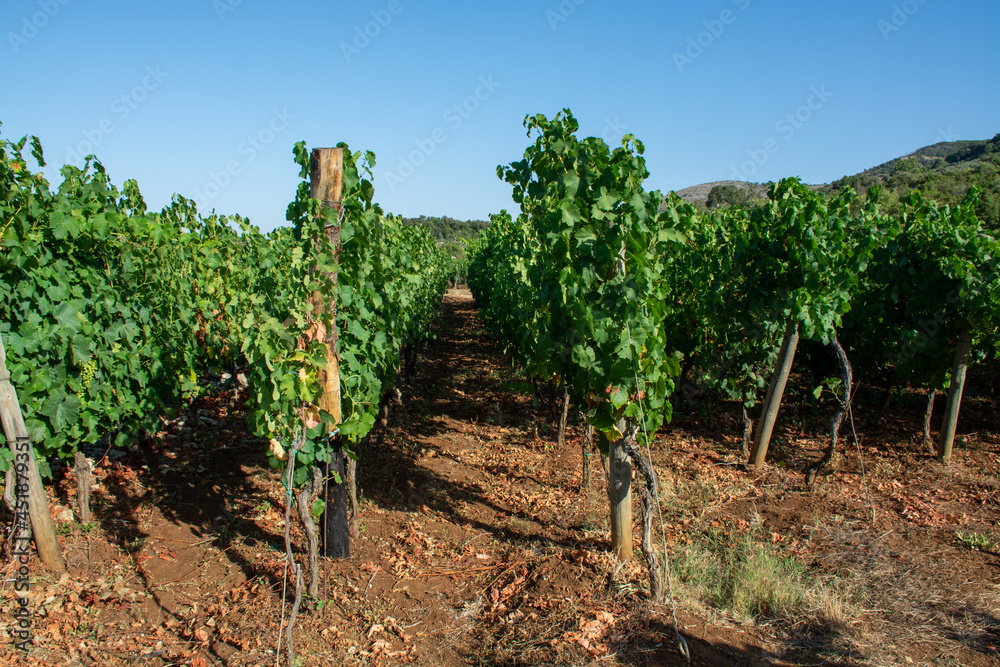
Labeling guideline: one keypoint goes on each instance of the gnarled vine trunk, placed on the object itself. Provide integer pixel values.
(353, 511)
(847, 378)
(563, 418)
(24, 491)
(928, 413)
(747, 434)
(648, 494)
(587, 446)
(308, 493)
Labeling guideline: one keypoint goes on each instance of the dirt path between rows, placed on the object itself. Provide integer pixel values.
(478, 546)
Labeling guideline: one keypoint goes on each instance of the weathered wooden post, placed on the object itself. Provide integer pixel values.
(947, 439)
(620, 495)
(769, 411)
(326, 175)
(26, 469)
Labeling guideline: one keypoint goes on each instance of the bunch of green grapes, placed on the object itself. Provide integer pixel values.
(87, 374)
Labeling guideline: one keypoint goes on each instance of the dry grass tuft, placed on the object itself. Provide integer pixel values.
(754, 581)
(909, 604)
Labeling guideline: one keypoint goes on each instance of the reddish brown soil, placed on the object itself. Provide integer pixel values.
(479, 547)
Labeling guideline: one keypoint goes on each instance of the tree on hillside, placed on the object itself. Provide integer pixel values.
(955, 169)
(721, 195)
(447, 229)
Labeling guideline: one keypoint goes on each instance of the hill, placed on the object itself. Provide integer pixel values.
(449, 229)
(943, 172)
(698, 195)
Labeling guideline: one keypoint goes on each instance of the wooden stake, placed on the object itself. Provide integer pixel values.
(43, 530)
(769, 412)
(947, 440)
(620, 496)
(326, 174)
(82, 469)
(327, 184)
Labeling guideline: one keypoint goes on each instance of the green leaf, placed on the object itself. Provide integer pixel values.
(61, 409)
(571, 183)
(318, 507)
(570, 213)
(671, 235)
(67, 316)
(81, 350)
(606, 202)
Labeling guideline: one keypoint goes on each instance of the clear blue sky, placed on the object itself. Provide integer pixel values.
(207, 97)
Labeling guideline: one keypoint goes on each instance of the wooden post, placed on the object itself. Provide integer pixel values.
(769, 411)
(955, 395)
(83, 469)
(620, 474)
(326, 174)
(620, 496)
(19, 443)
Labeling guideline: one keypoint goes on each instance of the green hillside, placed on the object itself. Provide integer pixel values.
(449, 229)
(943, 172)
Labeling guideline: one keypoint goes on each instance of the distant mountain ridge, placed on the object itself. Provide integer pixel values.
(943, 172)
(444, 228)
(698, 194)
(940, 157)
